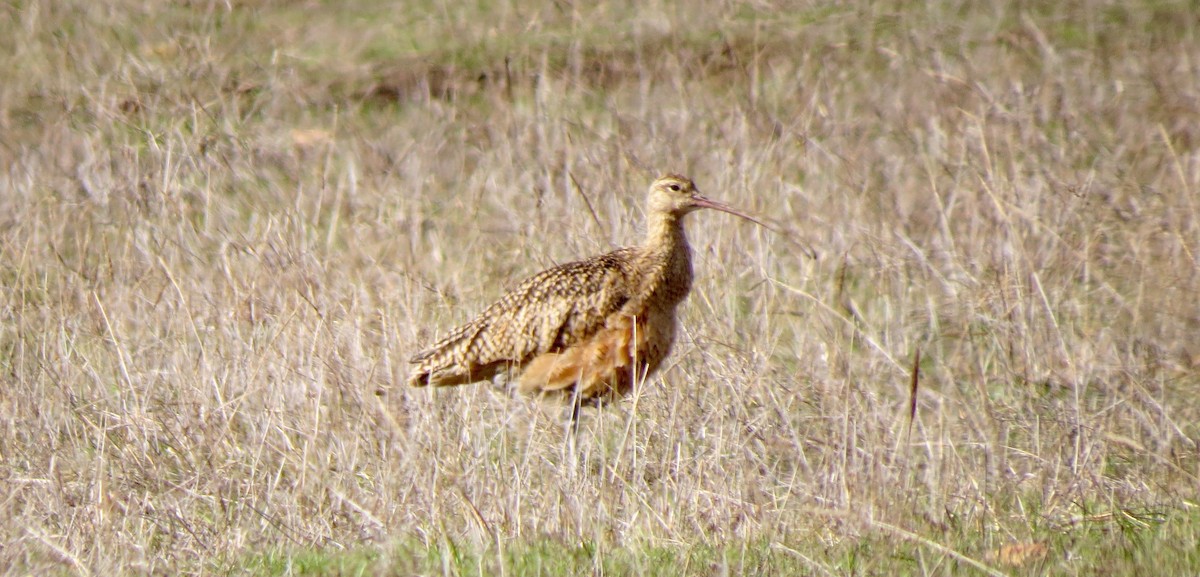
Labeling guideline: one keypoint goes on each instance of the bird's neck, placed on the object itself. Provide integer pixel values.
(666, 263)
(664, 234)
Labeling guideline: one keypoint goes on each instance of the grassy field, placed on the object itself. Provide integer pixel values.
(225, 226)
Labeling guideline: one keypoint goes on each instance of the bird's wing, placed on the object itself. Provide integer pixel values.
(547, 312)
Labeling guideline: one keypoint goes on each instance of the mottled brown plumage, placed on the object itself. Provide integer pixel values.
(587, 328)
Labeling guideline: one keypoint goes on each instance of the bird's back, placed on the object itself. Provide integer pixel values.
(546, 313)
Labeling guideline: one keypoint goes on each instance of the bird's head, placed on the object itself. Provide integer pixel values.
(677, 195)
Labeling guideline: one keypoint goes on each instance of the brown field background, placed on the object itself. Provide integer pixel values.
(224, 227)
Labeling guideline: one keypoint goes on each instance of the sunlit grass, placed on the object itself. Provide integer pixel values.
(225, 227)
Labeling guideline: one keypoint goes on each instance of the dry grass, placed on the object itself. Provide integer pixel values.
(223, 229)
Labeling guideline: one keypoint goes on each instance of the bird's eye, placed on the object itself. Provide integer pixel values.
(674, 187)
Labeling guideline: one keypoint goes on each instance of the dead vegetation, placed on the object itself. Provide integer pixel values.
(218, 244)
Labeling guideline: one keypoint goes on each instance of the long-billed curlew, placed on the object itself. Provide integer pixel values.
(585, 329)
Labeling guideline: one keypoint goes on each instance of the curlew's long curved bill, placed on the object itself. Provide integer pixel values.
(705, 202)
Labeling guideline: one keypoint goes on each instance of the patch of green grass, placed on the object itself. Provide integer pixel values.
(536, 557)
(1120, 542)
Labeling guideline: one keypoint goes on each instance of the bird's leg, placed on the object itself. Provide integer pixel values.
(576, 409)
(576, 406)
(571, 435)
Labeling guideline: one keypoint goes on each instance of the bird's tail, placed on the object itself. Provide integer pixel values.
(452, 361)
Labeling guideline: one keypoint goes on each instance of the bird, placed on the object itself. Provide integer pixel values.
(585, 330)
